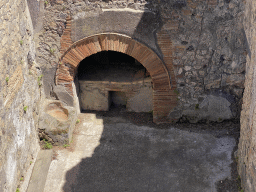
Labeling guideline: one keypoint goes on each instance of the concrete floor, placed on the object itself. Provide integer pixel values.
(114, 155)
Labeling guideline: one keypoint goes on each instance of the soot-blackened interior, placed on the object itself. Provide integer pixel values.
(111, 66)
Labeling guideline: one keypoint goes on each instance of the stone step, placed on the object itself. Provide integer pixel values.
(40, 171)
(89, 117)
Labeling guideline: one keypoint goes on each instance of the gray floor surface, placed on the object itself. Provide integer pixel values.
(114, 155)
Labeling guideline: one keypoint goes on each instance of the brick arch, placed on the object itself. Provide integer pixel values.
(162, 94)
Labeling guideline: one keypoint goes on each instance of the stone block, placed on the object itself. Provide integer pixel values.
(94, 99)
(213, 107)
(40, 171)
(217, 108)
(57, 121)
(63, 95)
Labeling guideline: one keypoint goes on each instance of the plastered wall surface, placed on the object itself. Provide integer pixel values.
(19, 94)
(94, 95)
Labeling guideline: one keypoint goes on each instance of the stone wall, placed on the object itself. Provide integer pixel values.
(247, 142)
(19, 94)
(202, 44)
(208, 57)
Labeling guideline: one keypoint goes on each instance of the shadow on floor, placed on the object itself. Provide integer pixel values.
(139, 158)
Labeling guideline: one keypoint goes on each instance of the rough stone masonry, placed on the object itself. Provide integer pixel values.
(246, 152)
(19, 93)
(202, 44)
(206, 48)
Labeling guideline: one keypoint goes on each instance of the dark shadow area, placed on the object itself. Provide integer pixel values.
(110, 66)
(131, 157)
(135, 159)
(151, 24)
(117, 100)
(217, 129)
(110, 79)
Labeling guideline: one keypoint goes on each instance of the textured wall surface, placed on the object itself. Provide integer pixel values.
(247, 143)
(94, 95)
(202, 44)
(208, 56)
(19, 93)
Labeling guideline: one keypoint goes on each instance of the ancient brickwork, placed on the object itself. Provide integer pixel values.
(197, 53)
(247, 142)
(66, 41)
(164, 98)
(201, 44)
(19, 94)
